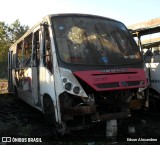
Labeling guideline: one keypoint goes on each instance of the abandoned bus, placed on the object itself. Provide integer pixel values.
(148, 40)
(78, 69)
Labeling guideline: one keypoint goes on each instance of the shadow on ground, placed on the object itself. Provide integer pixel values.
(18, 119)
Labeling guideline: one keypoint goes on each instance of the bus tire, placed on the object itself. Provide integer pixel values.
(49, 111)
(49, 114)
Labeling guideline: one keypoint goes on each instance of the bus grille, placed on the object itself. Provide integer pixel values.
(108, 85)
(116, 84)
(133, 83)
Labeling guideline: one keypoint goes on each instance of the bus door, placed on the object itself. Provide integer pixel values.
(46, 76)
(42, 67)
(35, 68)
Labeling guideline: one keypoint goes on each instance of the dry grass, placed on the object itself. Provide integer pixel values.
(3, 86)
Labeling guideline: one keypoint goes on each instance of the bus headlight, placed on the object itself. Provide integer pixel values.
(64, 80)
(68, 86)
(76, 90)
(70, 83)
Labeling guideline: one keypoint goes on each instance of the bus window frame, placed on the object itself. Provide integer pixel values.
(44, 29)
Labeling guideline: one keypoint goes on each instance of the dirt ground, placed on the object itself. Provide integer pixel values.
(18, 119)
(3, 86)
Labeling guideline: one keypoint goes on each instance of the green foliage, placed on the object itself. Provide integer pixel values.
(8, 35)
(3, 40)
(16, 30)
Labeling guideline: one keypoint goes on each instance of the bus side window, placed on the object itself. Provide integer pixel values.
(36, 49)
(48, 63)
(27, 50)
(19, 55)
(14, 62)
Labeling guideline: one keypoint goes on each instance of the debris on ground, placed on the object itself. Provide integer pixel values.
(19, 119)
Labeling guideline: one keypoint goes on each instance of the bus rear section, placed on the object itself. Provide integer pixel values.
(101, 69)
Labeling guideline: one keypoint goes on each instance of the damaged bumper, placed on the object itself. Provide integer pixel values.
(112, 116)
(91, 110)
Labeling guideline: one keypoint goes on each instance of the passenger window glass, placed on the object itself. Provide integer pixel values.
(36, 49)
(19, 55)
(27, 50)
(48, 63)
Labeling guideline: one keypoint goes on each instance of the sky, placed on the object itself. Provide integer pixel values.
(29, 12)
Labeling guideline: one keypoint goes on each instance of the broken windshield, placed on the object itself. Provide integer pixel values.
(94, 41)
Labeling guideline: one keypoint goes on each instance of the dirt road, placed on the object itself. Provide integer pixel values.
(3, 86)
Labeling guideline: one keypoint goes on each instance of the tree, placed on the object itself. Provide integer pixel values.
(8, 35)
(16, 30)
(3, 41)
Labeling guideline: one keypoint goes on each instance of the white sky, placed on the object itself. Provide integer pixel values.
(30, 12)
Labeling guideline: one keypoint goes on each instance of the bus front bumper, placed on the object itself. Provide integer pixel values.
(95, 116)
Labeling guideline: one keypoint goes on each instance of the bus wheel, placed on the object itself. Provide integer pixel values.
(49, 114)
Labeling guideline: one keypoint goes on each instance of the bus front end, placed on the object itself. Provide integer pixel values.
(101, 70)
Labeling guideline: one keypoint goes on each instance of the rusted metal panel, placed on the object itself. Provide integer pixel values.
(145, 31)
(136, 104)
(144, 28)
(146, 24)
(153, 40)
(152, 44)
(79, 110)
(92, 110)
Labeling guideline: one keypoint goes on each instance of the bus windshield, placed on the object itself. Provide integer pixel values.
(94, 41)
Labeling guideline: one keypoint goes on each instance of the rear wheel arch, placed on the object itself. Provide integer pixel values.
(49, 109)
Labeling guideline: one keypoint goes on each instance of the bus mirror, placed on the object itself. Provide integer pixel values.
(44, 24)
